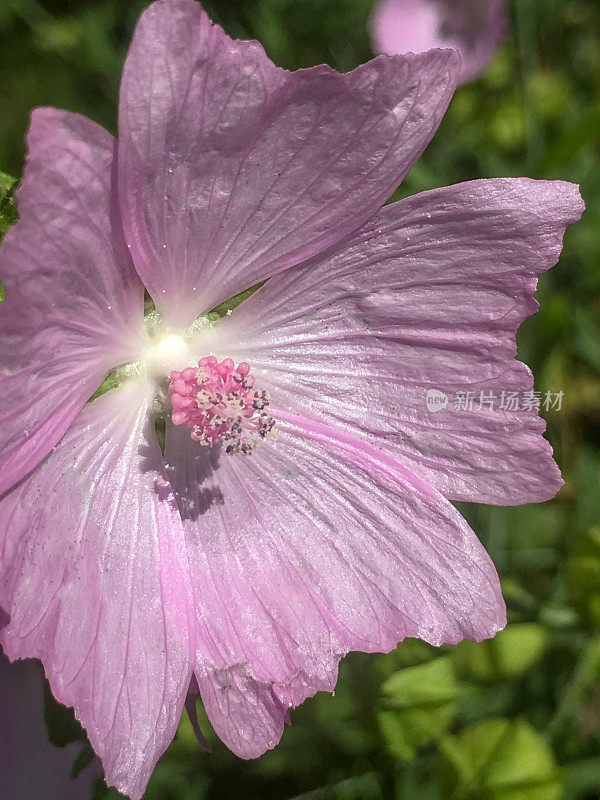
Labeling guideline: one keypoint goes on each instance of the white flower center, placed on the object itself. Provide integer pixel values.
(165, 354)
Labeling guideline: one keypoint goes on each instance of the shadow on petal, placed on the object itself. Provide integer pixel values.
(189, 484)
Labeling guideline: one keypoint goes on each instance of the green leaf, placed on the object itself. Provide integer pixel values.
(509, 654)
(499, 759)
(418, 706)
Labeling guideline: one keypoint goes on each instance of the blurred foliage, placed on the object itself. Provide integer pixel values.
(497, 759)
(513, 719)
(418, 704)
(8, 210)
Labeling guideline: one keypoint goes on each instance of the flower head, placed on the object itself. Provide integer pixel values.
(219, 405)
(474, 27)
(140, 567)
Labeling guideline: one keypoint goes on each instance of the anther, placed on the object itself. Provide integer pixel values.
(218, 403)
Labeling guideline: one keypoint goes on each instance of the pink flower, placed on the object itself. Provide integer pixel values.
(247, 573)
(474, 27)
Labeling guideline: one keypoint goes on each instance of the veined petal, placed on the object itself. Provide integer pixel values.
(74, 304)
(246, 714)
(429, 295)
(315, 545)
(231, 170)
(93, 576)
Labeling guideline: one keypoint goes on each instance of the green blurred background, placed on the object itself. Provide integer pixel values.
(517, 718)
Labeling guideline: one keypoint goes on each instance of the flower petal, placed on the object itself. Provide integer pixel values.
(74, 304)
(315, 545)
(232, 170)
(428, 296)
(92, 577)
(246, 714)
(474, 27)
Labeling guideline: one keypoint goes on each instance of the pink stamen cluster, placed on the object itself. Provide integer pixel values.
(218, 404)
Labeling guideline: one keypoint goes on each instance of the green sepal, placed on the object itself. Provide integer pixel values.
(228, 305)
